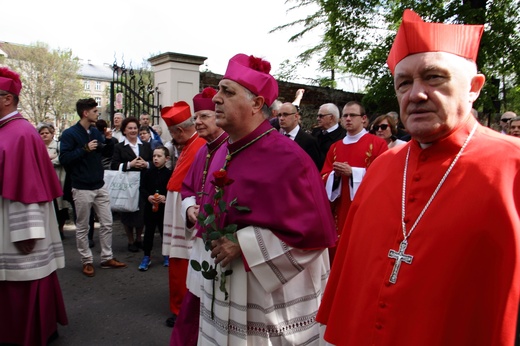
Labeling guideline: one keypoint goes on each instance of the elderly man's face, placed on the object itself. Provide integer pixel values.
(206, 124)
(118, 118)
(325, 118)
(435, 91)
(514, 128)
(233, 107)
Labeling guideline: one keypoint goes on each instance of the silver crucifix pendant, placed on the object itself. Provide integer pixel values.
(399, 257)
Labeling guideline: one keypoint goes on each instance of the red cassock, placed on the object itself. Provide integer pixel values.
(462, 287)
(184, 162)
(360, 154)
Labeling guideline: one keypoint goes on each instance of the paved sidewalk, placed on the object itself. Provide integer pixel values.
(116, 306)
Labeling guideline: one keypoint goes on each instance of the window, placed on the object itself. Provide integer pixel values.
(98, 100)
(86, 85)
(98, 85)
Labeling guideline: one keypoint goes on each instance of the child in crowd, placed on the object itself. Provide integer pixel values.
(154, 181)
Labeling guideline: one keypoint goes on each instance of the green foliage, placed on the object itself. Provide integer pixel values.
(50, 82)
(357, 36)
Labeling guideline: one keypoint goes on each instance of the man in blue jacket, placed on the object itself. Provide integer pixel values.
(82, 148)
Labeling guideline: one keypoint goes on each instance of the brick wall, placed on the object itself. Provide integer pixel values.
(313, 98)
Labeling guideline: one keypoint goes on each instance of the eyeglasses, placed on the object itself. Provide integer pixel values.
(382, 127)
(505, 119)
(285, 114)
(323, 115)
(346, 115)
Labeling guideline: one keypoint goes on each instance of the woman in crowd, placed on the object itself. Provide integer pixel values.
(132, 155)
(385, 127)
(47, 132)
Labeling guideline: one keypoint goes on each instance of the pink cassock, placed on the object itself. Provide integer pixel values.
(26, 173)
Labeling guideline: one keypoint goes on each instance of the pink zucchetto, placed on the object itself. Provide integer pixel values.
(176, 114)
(416, 36)
(204, 100)
(10, 81)
(253, 74)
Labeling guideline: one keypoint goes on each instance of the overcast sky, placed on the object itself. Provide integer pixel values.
(99, 30)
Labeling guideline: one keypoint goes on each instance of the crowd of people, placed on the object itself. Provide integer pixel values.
(354, 233)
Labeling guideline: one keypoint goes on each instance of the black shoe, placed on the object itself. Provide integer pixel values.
(170, 321)
(133, 248)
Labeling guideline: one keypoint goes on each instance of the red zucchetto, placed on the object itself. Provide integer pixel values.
(176, 114)
(416, 36)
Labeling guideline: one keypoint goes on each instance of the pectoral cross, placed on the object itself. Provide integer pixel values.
(399, 257)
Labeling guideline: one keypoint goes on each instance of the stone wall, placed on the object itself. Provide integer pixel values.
(313, 98)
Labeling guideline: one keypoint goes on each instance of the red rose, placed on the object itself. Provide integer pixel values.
(221, 179)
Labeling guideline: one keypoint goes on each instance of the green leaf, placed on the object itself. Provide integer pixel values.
(209, 219)
(232, 237)
(195, 265)
(242, 208)
(219, 194)
(215, 235)
(222, 206)
(231, 228)
(200, 218)
(233, 202)
(208, 208)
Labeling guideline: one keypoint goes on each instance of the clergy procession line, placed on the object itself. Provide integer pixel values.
(356, 233)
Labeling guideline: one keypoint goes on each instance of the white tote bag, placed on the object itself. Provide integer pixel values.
(123, 188)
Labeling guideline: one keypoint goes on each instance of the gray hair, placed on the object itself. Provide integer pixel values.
(187, 123)
(266, 110)
(394, 115)
(276, 105)
(332, 109)
(513, 119)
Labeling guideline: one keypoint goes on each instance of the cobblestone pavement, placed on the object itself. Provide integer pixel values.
(116, 306)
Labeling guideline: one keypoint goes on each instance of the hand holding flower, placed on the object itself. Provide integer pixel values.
(224, 251)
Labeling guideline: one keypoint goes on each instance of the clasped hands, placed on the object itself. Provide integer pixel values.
(138, 163)
(342, 168)
(159, 199)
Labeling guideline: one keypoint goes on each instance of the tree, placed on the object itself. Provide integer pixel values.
(50, 81)
(358, 35)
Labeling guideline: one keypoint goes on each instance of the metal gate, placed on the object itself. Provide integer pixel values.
(133, 94)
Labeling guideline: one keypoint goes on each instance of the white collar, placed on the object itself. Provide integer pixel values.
(133, 145)
(12, 114)
(353, 139)
(332, 128)
(293, 132)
